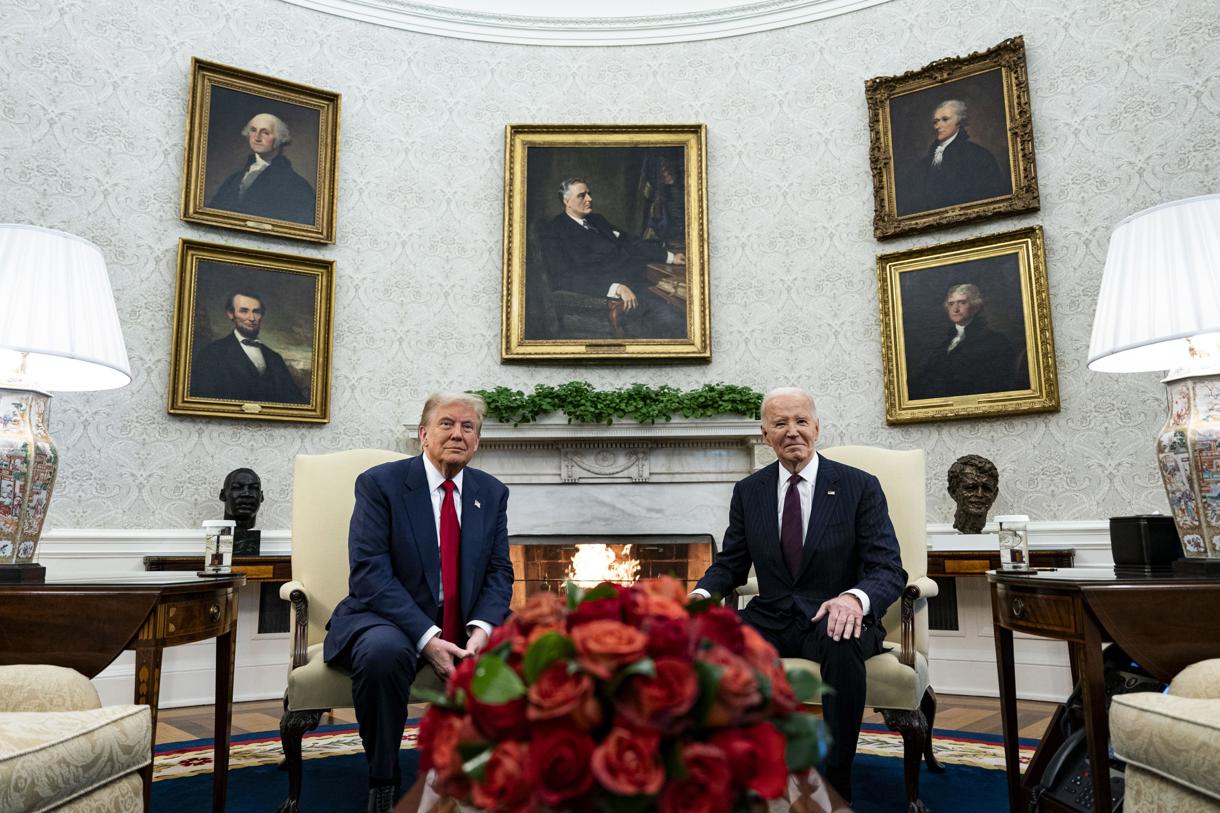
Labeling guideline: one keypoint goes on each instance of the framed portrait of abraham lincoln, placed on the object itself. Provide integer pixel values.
(252, 334)
(952, 142)
(605, 243)
(966, 329)
(261, 154)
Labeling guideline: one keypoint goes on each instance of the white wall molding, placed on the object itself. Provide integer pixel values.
(479, 22)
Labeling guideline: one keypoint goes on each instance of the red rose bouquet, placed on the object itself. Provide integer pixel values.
(621, 699)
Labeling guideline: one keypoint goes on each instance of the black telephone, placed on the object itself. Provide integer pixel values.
(1068, 779)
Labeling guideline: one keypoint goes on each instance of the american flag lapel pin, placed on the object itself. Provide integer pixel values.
(478, 504)
(828, 494)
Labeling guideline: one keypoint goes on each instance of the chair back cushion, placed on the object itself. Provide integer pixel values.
(901, 473)
(323, 494)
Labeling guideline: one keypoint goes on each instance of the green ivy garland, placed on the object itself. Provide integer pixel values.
(584, 404)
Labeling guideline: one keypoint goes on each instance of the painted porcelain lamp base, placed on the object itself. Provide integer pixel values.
(28, 464)
(1188, 454)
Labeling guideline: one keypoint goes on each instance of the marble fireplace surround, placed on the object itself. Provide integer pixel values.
(622, 478)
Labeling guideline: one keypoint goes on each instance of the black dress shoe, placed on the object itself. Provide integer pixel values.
(381, 799)
(840, 780)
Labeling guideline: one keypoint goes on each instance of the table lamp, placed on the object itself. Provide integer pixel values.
(58, 331)
(1159, 309)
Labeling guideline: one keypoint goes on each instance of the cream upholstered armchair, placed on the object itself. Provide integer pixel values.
(898, 683)
(1169, 743)
(323, 494)
(62, 750)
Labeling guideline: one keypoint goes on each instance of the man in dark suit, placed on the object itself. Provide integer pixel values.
(971, 358)
(240, 367)
(956, 170)
(819, 537)
(586, 253)
(430, 577)
(267, 186)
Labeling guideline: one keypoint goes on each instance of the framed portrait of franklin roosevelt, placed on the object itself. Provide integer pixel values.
(252, 334)
(261, 154)
(952, 142)
(966, 329)
(605, 243)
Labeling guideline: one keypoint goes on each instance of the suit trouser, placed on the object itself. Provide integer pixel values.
(383, 663)
(842, 665)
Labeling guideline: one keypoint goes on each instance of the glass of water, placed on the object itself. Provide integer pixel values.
(218, 546)
(1014, 541)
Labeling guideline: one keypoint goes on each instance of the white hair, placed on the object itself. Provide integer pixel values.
(283, 136)
(782, 391)
(957, 108)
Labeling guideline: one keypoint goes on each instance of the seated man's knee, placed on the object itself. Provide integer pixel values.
(385, 653)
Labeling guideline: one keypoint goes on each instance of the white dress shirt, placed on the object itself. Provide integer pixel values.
(252, 174)
(253, 352)
(809, 475)
(437, 492)
(940, 150)
(957, 339)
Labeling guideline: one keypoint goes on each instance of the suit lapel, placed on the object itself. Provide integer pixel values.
(418, 502)
(764, 497)
(473, 517)
(824, 496)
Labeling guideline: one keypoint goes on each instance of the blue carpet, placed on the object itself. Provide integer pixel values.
(335, 784)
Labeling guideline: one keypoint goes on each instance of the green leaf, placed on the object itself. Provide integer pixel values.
(549, 648)
(476, 766)
(702, 605)
(425, 695)
(644, 666)
(582, 403)
(807, 740)
(601, 591)
(709, 681)
(807, 687)
(495, 681)
(574, 592)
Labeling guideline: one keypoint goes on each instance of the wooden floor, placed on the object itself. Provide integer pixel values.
(954, 712)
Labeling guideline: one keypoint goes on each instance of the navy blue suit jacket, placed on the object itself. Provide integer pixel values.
(850, 543)
(395, 576)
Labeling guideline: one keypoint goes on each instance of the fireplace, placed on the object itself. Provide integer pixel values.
(546, 561)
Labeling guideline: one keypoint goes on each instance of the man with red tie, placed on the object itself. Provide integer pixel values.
(819, 537)
(430, 577)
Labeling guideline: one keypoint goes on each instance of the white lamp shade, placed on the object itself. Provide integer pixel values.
(57, 307)
(1161, 287)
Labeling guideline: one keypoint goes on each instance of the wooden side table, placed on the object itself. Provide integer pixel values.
(1163, 623)
(261, 568)
(84, 623)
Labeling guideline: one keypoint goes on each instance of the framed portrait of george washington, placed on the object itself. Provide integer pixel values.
(605, 243)
(262, 154)
(966, 329)
(952, 142)
(252, 334)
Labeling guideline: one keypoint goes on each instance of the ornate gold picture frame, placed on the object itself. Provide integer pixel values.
(966, 329)
(605, 243)
(252, 334)
(262, 154)
(952, 142)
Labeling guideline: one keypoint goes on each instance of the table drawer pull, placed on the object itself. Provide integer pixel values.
(214, 613)
(1018, 607)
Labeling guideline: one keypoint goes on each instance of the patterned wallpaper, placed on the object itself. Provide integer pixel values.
(92, 106)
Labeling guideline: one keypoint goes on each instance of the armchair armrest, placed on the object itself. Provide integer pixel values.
(41, 688)
(926, 587)
(750, 588)
(294, 591)
(919, 589)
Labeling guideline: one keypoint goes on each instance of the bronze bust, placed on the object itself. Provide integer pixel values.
(974, 483)
(242, 495)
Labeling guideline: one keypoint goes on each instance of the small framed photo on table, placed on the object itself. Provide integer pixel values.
(262, 154)
(252, 334)
(952, 142)
(966, 329)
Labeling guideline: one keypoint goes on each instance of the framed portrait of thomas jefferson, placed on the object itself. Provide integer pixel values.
(261, 154)
(252, 334)
(952, 142)
(966, 329)
(605, 243)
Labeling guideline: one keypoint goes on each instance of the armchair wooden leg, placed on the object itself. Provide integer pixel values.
(293, 726)
(914, 729)
(928, 707)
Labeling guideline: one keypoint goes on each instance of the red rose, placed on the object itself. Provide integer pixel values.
(666, 587)
(720, 625)
(505, 788)
(559, 764)
(544, 608)
(439, 735)
(783, 696)
(498, 721)
(736, 690)
(756, 755)
(628, 763)
(604, 646)
(601, 609)
(558, 693)
(461, 677)
(670, 637)
(510, 631)
(707, 787)
(758, 650)
(661, 700)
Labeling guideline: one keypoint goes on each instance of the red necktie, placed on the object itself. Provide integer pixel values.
(451, 544)
(790, 536)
